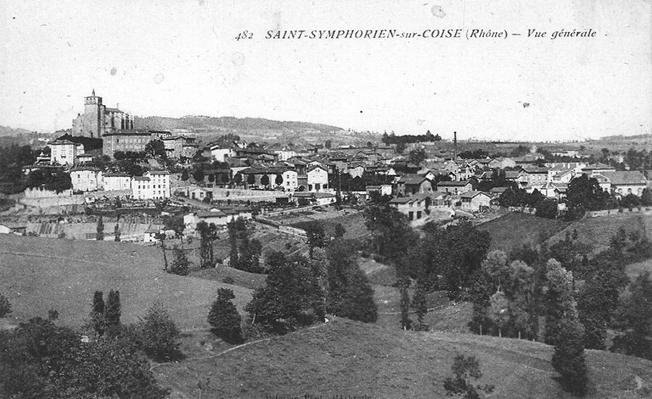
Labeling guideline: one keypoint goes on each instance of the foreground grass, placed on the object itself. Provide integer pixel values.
(343, 357)
(39, 274)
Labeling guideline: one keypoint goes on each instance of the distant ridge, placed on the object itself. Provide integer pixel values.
(201, 123)
(9, 131)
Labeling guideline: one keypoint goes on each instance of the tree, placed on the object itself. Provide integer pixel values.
(116, 232)
(568, 358)
(207, 234)
(5, 306)
(97, 313)
(391, 231)
(400, 147)
(224, 317)
(339, 230)
(420, 304)
(198, 173)
(403, 284)
(291, 297)
(41, 360)
(635, 319)
(112, 313)
(251, 179)
(158, 334)
(278, 180)
(559, 302)
(585, 193)
(155, 148)
(264, 180)
(99, 235)
(316, 235)
(237, 179)
(181, 264)
(184, 175)
(547, 208)
(466, 368)
(417, 156)
(349, 293)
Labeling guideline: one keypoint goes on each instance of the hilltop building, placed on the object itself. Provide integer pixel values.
(97, 119)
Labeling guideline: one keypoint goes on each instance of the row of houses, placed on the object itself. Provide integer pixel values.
(152, 185)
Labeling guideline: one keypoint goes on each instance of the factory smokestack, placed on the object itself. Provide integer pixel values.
(454, 146)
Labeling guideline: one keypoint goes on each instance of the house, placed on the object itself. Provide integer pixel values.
(413, 184)
(598, 168)
(497, 191)
(86, 178)
(221, 153)
(290, 180)
(475, 200)
(152, 185)
(501, 163)
(214, 216)
(317, 178)
(413, 207)
(626, 182)
(383, 189)
(116, 181)
(356, 170)
(64, 152)
(314, 198)
(199, 193)
(454, 187)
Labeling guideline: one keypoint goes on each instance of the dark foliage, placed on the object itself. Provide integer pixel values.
(568, 358)
(465, 370)
(224, 317)
(291, 297)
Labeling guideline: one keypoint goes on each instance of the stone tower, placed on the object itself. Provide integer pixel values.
(91, 122)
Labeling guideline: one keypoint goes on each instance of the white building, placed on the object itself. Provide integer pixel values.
(220, 153)
(86, 178)
(116, 181)
(284, 155)
(64, 152)
(152, 185)
(317, 178)
(290, 180)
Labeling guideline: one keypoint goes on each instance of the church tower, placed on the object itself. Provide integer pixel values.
(91, 122)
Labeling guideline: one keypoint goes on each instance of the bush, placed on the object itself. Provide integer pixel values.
(224, 317)
(228, 280)
(5, 306)
(181, 264)
(158, 334)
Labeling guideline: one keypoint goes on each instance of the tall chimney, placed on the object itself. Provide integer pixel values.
(454, 146)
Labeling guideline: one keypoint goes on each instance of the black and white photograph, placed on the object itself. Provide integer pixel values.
(325, 199)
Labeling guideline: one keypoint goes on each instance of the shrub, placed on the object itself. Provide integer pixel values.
(159, 336)
(180, 265)
(568, 358)
(5, 306)
(228, 280)
(224, 317)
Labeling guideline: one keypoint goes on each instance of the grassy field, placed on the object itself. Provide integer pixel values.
(348, 358)
(597, 231)
(38, 274)
(516, 229)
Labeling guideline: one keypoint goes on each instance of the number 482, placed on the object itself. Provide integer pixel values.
(245, 34)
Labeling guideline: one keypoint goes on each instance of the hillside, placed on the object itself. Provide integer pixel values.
(348, 358)
(597, 231)
(38, 274)
(229, 124)
(515, 229)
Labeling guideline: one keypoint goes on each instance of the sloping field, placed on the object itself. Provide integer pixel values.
(38, 274)
(515, 229)
(597, 231)
(350, 359)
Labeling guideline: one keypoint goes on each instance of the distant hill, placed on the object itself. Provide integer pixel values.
(200, 123)
(10, 131)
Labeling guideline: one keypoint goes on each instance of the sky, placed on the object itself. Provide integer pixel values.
(175, 58)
